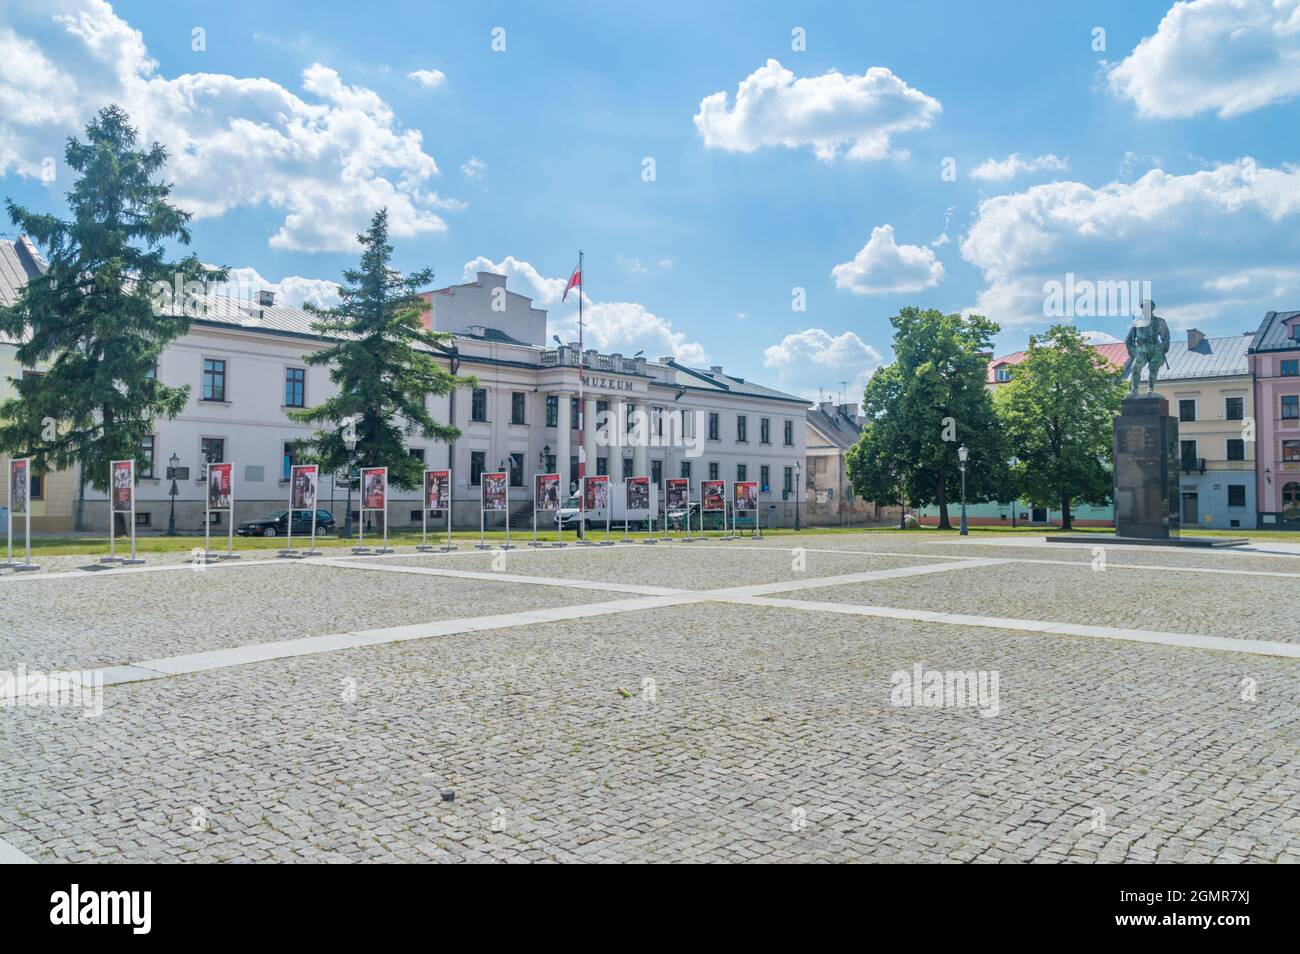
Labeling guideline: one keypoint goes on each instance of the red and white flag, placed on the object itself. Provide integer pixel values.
(575, 281)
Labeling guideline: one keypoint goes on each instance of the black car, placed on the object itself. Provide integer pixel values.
(276, 523)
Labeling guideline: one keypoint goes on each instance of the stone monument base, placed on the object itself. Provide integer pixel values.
(1106, 539)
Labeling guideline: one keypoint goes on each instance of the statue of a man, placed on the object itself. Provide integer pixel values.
(1147, 343)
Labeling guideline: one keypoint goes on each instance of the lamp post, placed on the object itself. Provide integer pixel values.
(1013, 463)
(172, 464)
(798, 470)
(902, 503)
(962, 454)
(350, 442)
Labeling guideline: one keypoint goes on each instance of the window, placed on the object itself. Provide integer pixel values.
(1187, 410)
(516, 470)
(742, 472)
(765, 430)
(742, 429)
(1291, 452)
(1003, 374)
(1291, 500)
(1236, 495)
(549, 463)
(290, 455)
(143, 519)
(295, 387)
(764, 476)
(573, 415)
(713, 470)
(1290, 407)
(36, 489)
(478, 405)
(552, 410)
(1188, 454)
(1291, 368)
(1234, 408)
(657, 473)
(713, 426)
(214, 379)
(212, 450)
(686, 469)
(789, 433)
(1236, 448)
(517, 405)
(417, 453)
(146, 452)
(602, 466)
(787, 480)
(476, 459)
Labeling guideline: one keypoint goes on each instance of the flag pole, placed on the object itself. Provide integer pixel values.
(582, 406)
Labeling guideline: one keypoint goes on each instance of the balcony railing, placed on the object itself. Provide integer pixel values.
(1192, 465)
(590, 359)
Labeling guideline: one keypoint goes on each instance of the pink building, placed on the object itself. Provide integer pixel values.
(1274, 359)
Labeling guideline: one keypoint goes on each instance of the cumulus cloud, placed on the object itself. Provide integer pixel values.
(625, 327)
(831, 113)
(813, 358)
(1098, 337)
(430, 79)
(994, 170)
(292, 290)
(1217, 243)
(473, 168)
(1225, 56)
(325, 160)
(882, 266)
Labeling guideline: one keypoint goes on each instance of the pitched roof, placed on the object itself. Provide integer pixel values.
(837, 427)
(19, 262)
(1272, 333)
(714, 379)
(1211, 358)
(1115, 353)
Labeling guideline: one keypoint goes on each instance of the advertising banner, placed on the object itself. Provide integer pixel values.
(745, 495)
(678, 489)
(303, 485)
(494, 491)
(220, 484)
(713, 494)
(437, 489)
(638, 493)
(595, 493)
(123, 490)
(20, 485)
(374, 488)
(547, 496)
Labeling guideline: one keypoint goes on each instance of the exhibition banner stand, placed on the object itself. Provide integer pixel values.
(437, 496)
(494, 497)
(595, 496)
(20, 501)
(220, 497)
(636, 497)
(677, 496)
(744, 495)
(546, 499)
(374, 497)
(121, 499)
(303, 484)
(713, 499)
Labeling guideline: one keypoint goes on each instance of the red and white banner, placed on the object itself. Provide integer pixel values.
(374, 488)
(745, 495)
(303, 485)
(20, 487)
(493, 490)
(437, 489)
(678, 491)
(713, 495)
(638, 493)
(221, 480)
(123, 489)
(547, 496)
(595, 492)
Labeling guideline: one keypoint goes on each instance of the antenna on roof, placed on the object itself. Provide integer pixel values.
(844, 392)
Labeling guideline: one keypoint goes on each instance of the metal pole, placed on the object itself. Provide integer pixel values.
(963, 530)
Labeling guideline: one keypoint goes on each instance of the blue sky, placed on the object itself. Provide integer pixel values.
(1164, 157)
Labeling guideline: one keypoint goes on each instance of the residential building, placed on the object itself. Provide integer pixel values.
(832, 429)
(1274, 361)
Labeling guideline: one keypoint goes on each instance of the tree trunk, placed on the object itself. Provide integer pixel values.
(79, 524)
(943, 503)
(1066, 522)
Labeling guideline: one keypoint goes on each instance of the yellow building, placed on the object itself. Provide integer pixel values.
(53, 494)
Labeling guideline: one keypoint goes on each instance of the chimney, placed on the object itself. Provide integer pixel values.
(715, 369)
(1194, 339)
(266, 299)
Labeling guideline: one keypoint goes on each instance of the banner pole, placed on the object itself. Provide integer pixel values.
(207, 526)
(450, 500)
(507, 500)
(230, 553)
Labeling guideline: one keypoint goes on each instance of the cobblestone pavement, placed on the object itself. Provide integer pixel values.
(701, 732)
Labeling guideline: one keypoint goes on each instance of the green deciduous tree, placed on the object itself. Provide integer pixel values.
(1057, 412)
(385, 364)
(93, 323)
(921, 407)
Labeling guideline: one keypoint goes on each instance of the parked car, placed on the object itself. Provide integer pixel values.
(276, 524)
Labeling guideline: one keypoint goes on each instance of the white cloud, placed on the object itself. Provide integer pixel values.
(325, 163)
(1098, 337)
(292, 290)
(830, 113)
(430, 79)
(882, 266)
(625, 327)
(813, 358)
(1227, 56)
(473, 168)
(1191, 236)
(993, 170)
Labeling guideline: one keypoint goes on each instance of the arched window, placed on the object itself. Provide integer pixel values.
(1291, 501)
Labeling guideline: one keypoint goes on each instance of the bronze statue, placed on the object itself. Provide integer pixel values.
(1148, 344)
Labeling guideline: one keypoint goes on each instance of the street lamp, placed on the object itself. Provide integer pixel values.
(350, 442)
(1013, 463)
(962, 454)
(172, 464)
(798, 469)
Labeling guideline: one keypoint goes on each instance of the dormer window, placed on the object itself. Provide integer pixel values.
(1002, 373)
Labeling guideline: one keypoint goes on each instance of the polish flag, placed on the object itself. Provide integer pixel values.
(575, 280)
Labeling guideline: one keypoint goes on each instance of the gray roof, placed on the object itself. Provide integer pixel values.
(840, 429)
(711, 380)
(1272, 333)
(19, 262)
(1212, 358)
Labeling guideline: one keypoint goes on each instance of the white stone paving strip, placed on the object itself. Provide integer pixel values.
(501, 577)
(785, 586)
(9, 855)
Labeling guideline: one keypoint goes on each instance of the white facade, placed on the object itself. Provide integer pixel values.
(499, 339)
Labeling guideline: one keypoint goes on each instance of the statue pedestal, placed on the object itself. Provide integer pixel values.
(1146, 469)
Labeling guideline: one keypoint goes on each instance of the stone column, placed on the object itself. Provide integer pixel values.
(641, 452)
(589, 433)
(563, 426)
